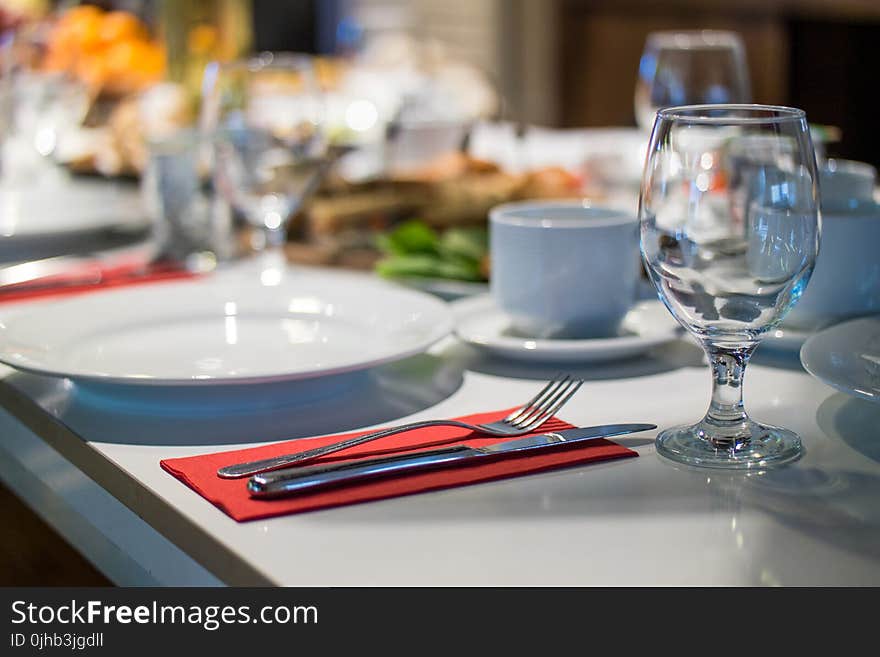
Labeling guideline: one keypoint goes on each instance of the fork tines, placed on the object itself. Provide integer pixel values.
(546, 403)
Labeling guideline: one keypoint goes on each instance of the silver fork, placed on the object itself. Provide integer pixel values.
(523, 420)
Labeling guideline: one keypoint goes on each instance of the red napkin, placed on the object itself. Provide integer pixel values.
(231, 496)
(97, 277)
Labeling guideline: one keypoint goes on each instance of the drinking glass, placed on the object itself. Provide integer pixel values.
(269, 149)
(691, 67)
(730, 227)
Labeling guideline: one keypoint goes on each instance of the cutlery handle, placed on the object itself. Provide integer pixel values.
(277, 462)
(296, 480)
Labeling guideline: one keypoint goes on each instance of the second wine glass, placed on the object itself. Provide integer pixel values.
(690, 67)
(269, 148)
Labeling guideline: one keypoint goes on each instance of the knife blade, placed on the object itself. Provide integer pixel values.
(294, 480)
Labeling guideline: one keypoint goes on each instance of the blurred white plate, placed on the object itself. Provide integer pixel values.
(53, 217)
(480, 323)
(847, 357)
(219, 330)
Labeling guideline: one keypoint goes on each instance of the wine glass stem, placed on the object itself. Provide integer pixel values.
(726, 422)
(275, 238)
(269, 243)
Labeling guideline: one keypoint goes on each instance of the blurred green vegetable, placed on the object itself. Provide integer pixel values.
(416, 249)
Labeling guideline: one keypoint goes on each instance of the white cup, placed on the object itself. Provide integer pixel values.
(563, 269)
(846, 279)
(846, 183)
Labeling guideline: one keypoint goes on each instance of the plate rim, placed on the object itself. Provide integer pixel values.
(440, 327)
(837, 385)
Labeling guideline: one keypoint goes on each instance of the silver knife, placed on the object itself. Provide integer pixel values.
(290, 481)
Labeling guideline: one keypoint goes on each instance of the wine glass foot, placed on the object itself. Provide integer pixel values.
(758, 446)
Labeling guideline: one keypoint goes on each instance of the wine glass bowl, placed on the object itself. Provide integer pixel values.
(690, 67)
(730, 227)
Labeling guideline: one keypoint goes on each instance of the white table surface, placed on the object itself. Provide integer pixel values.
(89, 464)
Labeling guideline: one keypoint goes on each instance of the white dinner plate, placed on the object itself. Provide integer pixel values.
(480, 323)
(224, 330)
(847, 357)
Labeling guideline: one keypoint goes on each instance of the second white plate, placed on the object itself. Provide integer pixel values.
(480, 323)
(59, 217)
(847, 357)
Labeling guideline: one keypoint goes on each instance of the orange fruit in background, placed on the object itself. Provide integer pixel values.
(82, 26)
(120, 25)
(131, 64)
(92, 70)
(109, 51)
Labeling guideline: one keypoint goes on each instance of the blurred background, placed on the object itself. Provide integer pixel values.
(561, 63)
(441, 109)
(437, 109)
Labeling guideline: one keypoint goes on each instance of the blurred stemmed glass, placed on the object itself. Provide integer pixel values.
(729, 236)
(691, 67)
(263, 115)
(39, 105)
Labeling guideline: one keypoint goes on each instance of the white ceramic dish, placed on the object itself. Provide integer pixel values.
(847, 357)
(480, 323)
(222, 330)
(64, 208)
(58, 217)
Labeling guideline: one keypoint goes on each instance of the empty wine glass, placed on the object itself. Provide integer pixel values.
(729, 235)
(269, 154)
(690, 68)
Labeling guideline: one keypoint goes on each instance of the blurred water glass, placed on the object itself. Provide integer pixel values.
(46, 106)
(691, 67)
(190, 220)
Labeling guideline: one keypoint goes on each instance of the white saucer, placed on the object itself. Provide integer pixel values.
(847, 357)
(480, 323)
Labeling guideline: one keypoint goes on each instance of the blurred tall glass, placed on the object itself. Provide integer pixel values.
(693, 67)
(191, 223)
